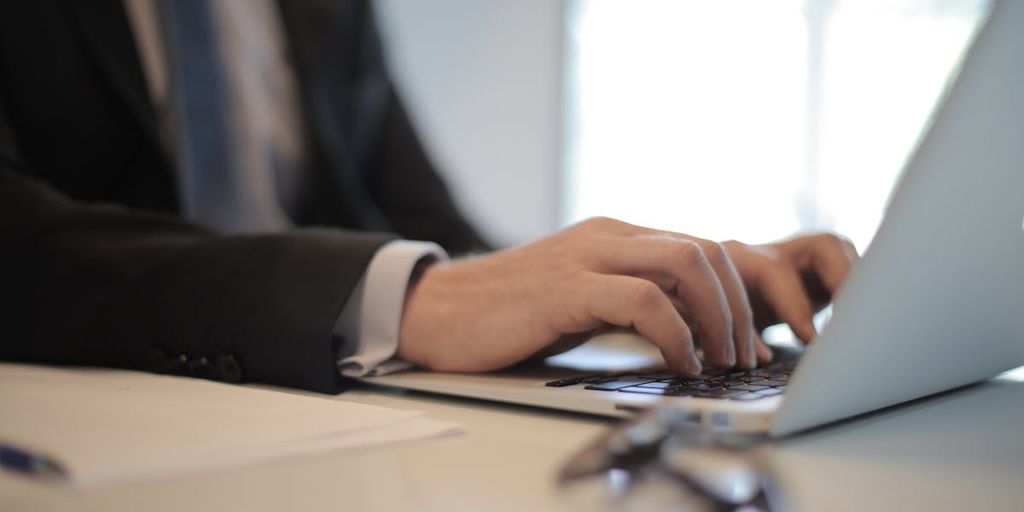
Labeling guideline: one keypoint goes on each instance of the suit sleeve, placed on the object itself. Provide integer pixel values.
(401, 176)
(96, 284)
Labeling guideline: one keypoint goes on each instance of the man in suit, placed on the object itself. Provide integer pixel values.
(163, 166)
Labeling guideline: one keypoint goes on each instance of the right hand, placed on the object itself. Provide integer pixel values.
(492, 311)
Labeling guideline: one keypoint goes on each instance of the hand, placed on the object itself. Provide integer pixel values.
(492, 311)
(791, 280)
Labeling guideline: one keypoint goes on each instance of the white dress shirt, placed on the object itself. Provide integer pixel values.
(268, 134)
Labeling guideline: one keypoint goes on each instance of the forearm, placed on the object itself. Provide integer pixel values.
(101, 285)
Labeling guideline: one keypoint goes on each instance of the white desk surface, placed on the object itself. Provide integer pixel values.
(959, 451)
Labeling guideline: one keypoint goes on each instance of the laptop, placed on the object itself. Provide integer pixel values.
(936, 303)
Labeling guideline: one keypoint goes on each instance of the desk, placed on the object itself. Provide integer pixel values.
(959, 451)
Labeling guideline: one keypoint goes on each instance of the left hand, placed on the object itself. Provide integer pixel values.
(791, 280)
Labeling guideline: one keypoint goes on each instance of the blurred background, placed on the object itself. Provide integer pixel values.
(739, 119)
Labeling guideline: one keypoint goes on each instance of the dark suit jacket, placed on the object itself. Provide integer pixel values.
(96, 268)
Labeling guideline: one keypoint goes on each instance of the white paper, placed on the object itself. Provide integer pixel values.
(107, 426)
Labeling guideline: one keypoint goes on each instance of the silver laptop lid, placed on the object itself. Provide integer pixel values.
(938, 299)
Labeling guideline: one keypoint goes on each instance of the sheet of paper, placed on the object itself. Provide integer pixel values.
(108, 426)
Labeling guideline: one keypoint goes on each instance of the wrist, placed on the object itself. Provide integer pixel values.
(412, 311)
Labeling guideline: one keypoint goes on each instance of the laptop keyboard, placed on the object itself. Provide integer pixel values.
(729, 384)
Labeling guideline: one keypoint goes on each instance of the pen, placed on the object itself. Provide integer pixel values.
(713, 465)
(31, 464)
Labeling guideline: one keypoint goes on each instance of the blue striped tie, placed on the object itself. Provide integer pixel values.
(199, 101)
(214, 190)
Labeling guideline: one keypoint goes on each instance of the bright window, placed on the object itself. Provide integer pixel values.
(751, 119)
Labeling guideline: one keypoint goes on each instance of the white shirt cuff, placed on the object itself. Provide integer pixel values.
(372, 316)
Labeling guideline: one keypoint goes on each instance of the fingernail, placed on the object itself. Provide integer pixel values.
(730, 355)
(694, 366)
(749, 359)
(810, 330)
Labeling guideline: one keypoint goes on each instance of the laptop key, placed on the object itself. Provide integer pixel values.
(679, 381)
(622, 382)
(561, 383)
(680, 391)
(659, 375)
(772, 383)
(642, 390)
(701, 386)
(723, 393)
(582, 379)
(659, 385)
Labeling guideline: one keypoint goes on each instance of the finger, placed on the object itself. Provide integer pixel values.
(851, 250)
(631, 302)
(666, 283)
(781, 288)
(668, 286)
(764, 352)
(735, 293)
(827, 255)
(696, 285)
(739, 304)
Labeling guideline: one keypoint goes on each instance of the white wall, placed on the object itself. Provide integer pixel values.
(483, 83)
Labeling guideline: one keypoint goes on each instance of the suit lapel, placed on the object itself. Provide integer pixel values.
(324, 40)
(110, 42)
(319, 32)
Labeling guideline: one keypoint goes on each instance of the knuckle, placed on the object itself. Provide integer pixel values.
(734, 246)
(715, 253)
(831, 239)
(600, 222)
(687, 254)
(647, 295)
